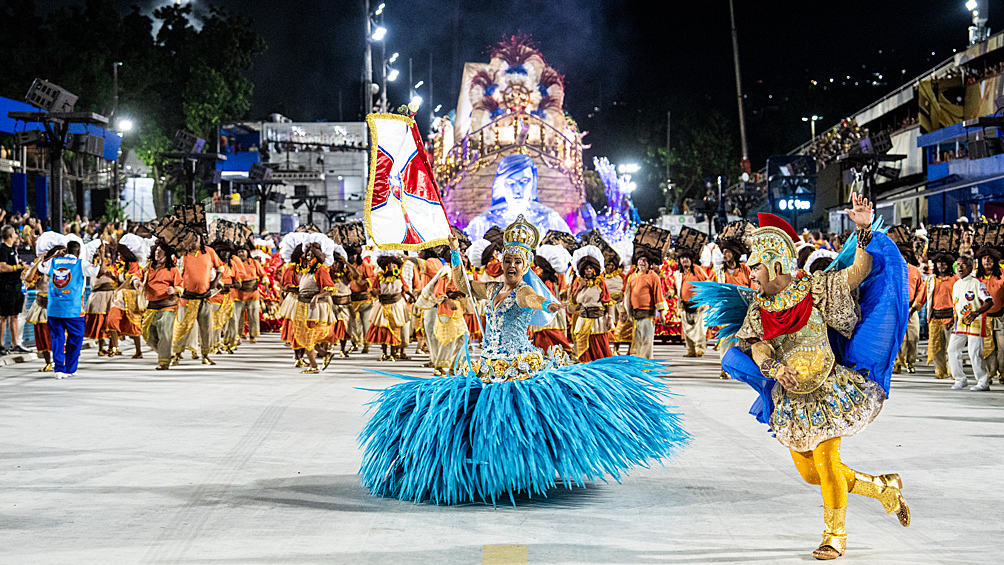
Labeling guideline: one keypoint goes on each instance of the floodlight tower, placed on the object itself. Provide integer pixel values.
(978, 32)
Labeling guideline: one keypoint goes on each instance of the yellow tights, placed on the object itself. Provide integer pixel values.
(822, 467)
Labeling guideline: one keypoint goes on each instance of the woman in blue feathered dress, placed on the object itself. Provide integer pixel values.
(516, 419)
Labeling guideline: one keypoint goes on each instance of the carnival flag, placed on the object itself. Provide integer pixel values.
(403, 207)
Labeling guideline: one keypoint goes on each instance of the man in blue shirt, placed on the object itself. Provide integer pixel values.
(66, 300)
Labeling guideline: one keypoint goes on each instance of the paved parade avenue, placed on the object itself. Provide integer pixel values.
(253, 462)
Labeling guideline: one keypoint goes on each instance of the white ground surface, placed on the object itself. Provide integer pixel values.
(253, 462)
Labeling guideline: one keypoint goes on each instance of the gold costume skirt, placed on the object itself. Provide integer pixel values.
(842, 406)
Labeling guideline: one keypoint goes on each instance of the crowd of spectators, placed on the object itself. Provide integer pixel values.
(836, 141)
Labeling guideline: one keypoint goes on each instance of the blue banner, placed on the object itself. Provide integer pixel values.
(42, 198)
(20, 196)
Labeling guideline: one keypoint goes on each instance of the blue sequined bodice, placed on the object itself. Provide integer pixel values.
(506, 327)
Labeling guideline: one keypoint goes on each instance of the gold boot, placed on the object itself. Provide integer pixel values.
(48, 368)
(887, 490)
(176, 360)
(835, 536)
(897, 369)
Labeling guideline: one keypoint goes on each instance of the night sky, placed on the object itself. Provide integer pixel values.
(623, 51)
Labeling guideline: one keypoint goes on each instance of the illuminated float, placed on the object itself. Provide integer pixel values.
(510, 149)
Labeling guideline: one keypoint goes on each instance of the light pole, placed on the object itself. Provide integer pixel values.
(812, 123)
(390, 75)
(372, 34)
(739, 91)
(122, 126)
(115, 88)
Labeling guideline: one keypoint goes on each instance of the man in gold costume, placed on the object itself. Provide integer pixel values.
(809, 394)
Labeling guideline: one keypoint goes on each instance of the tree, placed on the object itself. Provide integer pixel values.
(595, 190)
(703, 148)
(182, 78)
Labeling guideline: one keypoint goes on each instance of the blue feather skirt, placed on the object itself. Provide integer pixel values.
(451, 440)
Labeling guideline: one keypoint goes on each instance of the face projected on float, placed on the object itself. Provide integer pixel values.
(514, 192)
(517, 189)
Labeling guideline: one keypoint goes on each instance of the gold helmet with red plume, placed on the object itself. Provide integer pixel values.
(773, 243)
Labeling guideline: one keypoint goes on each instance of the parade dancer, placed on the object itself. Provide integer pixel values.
(591, 300)
(940, 311)
(103, 288)
(809, 400)
(248, 295)
(221, 300)
(313, 317)
(125, 316)
(361, 285)
(342, 273)
(442, 297)
(200, 266)
(552, 262)
(516, 419)
(918, 296)
(162, 287)
(691, 315)
(388, 319)
(622, 329)
(290, 251)
(988, 270)
(732, 271)
(643, 297)
(972, 301)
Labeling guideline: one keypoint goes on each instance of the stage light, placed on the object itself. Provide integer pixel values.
(416, 101)
(630, 187)
(379, 9)
(125, 125)
(379, 33)
(438, 107)
(419, 84)
(628, 168)
(971, 5)
(393, 58)
(392, 76)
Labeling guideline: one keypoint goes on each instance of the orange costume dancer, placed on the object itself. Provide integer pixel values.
(552, 262)
(918, 296)
(125, 316)
(99, 302)
(162, 287)
(940, 313)
(290, 245)
(313, 317)
(643, 298)
(224, 335)
(200, 268)
(616, 281)
(361, 285)
(388, 319)
(591, 301)
(342, 275)
(691, 316)
(247, 306)
(988, 270)
(731, 271)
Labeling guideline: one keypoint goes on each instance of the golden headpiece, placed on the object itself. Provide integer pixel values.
(521, 237)
(773, 243)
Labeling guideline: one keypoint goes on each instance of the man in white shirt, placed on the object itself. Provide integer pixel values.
(972, 301)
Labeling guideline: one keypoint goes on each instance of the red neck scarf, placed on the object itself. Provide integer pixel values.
(786, 321)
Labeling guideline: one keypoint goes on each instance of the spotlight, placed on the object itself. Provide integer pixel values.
(379, 33)
(392, 75)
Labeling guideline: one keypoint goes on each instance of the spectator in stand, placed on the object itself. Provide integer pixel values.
(11, 296)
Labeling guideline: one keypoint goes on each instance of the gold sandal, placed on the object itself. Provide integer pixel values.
(311, 370)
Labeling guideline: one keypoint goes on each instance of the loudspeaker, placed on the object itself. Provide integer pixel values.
(50, 97)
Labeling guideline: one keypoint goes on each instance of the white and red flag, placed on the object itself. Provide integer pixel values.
(403, 206)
